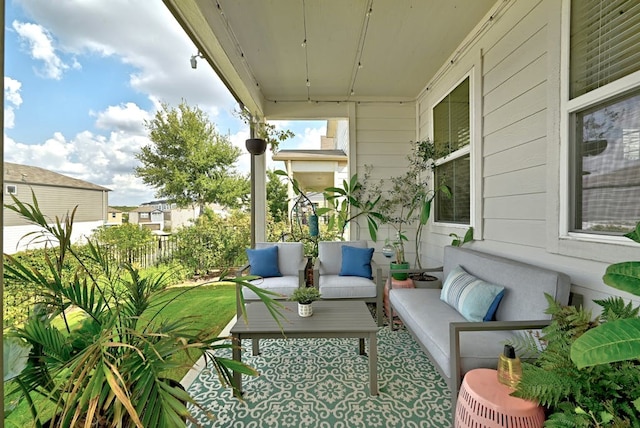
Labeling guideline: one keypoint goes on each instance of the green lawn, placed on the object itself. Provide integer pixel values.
(210, 306)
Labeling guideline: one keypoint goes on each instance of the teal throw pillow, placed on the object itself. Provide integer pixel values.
(473, 298)
(356, 262)
(264, 262)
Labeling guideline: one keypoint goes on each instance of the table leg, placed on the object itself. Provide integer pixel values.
(373, 364)
(237, 356)
(361, 350)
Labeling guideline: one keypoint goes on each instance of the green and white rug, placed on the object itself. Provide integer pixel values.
(325, 383)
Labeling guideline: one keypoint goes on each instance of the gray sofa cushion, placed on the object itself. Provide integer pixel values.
(290, 255)
(428, 318)
(523, 282)
(330, 255)
(284, 285)
(346, 287)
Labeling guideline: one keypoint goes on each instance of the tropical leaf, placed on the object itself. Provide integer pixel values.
(634, 234)
(613, 341)
(624, 276)
(15, 356)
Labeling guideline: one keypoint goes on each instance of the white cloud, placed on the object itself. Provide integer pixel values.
(105, 160)
(13, 99)
(125, 117)
(156, 46)
(40, 46)
(12, 91)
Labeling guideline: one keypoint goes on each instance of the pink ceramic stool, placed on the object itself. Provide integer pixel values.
(484, 402)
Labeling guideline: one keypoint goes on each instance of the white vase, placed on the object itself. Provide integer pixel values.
(305, 310)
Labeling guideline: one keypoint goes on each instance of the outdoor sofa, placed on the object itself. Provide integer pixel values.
(456, 345)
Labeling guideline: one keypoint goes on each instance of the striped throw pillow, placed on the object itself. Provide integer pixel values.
(473, 298)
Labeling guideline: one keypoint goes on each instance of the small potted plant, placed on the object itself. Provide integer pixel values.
(305, 296)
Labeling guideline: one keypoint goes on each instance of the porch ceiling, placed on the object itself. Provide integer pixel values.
(354, 50)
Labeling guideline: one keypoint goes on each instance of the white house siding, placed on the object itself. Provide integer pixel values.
(518, 59)
(60, 201)
(384, 132)
(54, 201)
(13, 242)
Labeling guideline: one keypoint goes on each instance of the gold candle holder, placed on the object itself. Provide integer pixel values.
(509, 367)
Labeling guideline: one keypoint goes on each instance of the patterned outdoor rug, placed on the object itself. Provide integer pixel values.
(325, 383)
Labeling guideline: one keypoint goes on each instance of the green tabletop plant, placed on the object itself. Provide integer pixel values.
(108, 371)
(305, 295)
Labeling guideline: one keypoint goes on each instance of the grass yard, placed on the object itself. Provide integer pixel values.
(206, 306)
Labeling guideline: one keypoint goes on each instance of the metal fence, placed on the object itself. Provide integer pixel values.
(149, 254)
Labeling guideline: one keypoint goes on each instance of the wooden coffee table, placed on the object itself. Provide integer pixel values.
(330, 319)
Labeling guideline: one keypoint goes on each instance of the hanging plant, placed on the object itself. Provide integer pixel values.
(266, 134)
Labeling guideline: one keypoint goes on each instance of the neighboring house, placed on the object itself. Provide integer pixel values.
(315, 170)
(534, 107)
(57, 196)
(166, 216)
(114, 217)
(147, 216)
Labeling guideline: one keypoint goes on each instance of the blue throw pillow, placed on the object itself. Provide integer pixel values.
(264, 261)
(356, 262)
(473, 298)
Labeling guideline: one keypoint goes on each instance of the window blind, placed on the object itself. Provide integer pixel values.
(605, 42)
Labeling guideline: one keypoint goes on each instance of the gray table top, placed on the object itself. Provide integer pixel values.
(328, 317)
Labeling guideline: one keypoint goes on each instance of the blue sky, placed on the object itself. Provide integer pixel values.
(81, 76)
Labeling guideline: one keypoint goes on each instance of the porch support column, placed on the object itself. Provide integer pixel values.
(290, 193)
(259, 196)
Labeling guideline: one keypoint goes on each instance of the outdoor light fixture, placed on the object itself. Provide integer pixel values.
(194, 61)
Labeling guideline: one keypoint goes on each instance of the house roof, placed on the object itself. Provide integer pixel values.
(283, 51)
(145, 209)
(16, 173)
(284, 155)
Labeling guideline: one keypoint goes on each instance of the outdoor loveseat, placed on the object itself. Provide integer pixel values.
(456, 345)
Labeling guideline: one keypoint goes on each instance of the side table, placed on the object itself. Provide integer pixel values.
(485, 402)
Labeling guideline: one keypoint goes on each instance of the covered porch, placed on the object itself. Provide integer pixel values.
(513, 69)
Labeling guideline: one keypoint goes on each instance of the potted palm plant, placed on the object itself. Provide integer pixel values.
(305, 296)
(408, 201)
(108, 371)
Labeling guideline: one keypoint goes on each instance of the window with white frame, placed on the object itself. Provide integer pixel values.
(604, 116)
(452, 138)
(12, 189)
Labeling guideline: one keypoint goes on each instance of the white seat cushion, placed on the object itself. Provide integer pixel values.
(282, 285)
(344, 287)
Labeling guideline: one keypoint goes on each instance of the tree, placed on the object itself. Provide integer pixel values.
(188, 161)
(124, 239)
(276, 197)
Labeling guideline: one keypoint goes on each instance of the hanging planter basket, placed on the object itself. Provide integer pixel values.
(256, 146)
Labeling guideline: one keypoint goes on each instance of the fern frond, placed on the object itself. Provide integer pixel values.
(614, 307)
